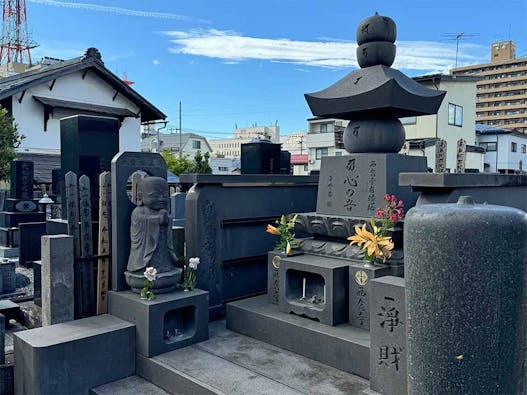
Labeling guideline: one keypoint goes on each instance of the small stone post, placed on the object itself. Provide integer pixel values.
(57, 279)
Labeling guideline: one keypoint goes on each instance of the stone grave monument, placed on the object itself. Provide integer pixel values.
(20, 207)
(328, 288)
(142, 238)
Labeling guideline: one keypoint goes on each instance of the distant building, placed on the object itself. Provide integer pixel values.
(231, 147)
(454, 120)
(188, 143)
(40, 97)
(502, 88)
(295, 143)
(322, 139)
(505, 149)
(225, 166)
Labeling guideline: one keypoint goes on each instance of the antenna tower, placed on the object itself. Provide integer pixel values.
(16, 42)
(457, 37)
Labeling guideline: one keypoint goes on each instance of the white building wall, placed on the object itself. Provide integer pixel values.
(30, 119)
(503, 159)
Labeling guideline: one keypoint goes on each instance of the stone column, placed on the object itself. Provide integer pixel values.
(465, 272)
(57, 279)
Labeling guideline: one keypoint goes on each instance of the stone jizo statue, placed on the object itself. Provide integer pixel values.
(151, 238)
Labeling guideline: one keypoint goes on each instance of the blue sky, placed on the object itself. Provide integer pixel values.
(234, 62)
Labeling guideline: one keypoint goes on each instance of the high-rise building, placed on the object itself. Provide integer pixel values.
(502, 91)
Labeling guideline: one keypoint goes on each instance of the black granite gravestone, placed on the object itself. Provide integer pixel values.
(29, 249)
(88, 144)
(260, 157)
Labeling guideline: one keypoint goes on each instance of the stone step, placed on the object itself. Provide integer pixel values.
(130, 385)
(343, 346)
(230, 363)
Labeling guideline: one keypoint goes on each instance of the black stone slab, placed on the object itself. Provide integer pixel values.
(388, 336)
(9, 237)
(8, 277)
(360, 276)
(21, 205)
(354, 185)
(500, 189)
(56, 227)
(21, 179)
(8, 220)
(88, 145)
(343, 347)
(29, 249)
(37, 283)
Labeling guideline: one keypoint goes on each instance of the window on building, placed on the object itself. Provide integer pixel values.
(338, 153)
(488, 147)
(455, 115)
(321, 152)
(514, 147)
(326, 128)
(196, 144)
(223, 168)
(524, 149)
(408, 120)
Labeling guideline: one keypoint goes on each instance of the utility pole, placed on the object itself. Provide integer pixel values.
(180, 143)
(301, 144)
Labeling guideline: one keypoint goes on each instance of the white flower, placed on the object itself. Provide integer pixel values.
(193, 263)
(150, 273)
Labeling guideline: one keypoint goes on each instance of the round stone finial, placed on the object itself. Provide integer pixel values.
(375, 38)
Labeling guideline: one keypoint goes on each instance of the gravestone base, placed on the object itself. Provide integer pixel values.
(9, 220)
(7, 378)
(314, 286)
(360, 276)
(8, 252)
(343, 346)
(9, 237)
(166, 323)
(72, 357)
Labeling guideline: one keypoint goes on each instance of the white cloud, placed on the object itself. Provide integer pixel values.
(156, 62)
(114, 10)
(231, 46)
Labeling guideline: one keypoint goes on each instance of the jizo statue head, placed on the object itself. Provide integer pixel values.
(153, 192)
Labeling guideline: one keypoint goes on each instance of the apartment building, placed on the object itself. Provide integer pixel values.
(231, 147)
(502, 89)
(324, 138)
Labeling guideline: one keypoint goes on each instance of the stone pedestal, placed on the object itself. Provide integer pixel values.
(388, 336)
(316, 287)
(168, 322)
(57, 279)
